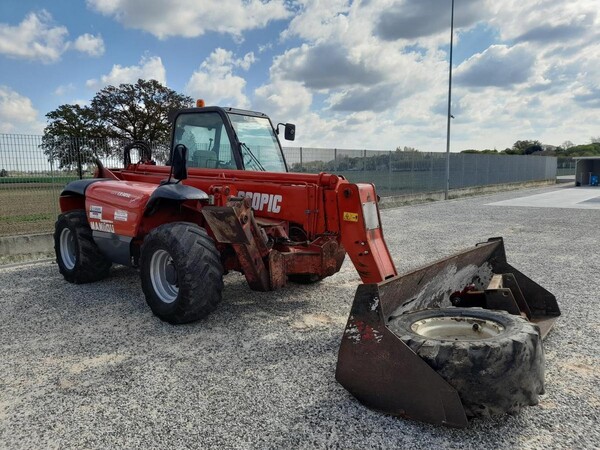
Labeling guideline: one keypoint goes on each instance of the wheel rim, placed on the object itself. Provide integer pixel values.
(161, 269)
(68, 249)
(456, 328)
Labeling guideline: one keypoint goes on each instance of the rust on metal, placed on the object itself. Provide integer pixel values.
(382, 372)
(377, 368)
(277, 274)
(234, 224)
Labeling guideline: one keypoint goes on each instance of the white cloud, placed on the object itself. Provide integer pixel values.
(149, 68)
(63, 89)
(377, 73)
(327, 65)
(318, 20)
(38, 38)
(192, 18)
(537, 20)
(90, 44)
(34, 38)
(355, 69)
(359, 84)
(498, 65)
(17, 114)
(215, 82)
(285, 100)
(414, 19)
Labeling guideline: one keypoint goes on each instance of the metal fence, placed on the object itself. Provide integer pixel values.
(565, 166)
(33, 171)
(407, 172)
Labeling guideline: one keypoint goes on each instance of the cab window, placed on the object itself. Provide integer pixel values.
(206, 139)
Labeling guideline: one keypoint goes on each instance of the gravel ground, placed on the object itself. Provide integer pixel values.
(90, 366)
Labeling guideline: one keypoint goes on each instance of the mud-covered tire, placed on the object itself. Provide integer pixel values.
(499, 372)
(181, 272)
(78, 257)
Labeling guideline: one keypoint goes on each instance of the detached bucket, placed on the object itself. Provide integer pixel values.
(392, 360)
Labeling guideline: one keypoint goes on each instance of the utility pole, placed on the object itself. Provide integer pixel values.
(449, 105)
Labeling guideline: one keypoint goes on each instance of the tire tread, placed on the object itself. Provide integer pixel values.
(492, 376)
(201, 284)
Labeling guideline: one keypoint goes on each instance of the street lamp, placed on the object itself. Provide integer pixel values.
(450, 116)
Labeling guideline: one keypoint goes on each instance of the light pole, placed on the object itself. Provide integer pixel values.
(449, 105)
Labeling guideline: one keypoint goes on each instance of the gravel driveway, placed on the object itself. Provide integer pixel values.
(90, 367)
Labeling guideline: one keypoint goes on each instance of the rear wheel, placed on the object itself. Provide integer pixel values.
(78, 257)
(493, 359)
(181, 272)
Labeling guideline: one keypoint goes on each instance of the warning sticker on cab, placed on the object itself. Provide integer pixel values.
(350, 217)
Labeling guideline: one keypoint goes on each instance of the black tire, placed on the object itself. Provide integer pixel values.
(494, 370)
(78, 257)
(181, 272)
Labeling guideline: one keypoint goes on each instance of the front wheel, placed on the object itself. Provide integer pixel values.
(493, 359)
(181, 272)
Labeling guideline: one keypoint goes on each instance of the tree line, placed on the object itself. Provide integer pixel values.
(533, 147)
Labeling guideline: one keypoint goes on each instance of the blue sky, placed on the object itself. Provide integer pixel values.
(351, 74)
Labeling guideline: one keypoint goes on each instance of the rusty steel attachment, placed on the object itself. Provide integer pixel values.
(383, 373)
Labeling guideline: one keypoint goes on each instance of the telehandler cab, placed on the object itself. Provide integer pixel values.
(458, 338)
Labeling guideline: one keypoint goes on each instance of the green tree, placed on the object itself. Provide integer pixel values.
(138, 111)
(116, 115)
(525, 148)
(567, 145)
(71, 135)
(406, 149)
(485, 151)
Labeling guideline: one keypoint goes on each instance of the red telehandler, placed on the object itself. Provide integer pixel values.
(458, 338)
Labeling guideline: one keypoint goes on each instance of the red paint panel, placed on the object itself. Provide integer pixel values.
(274, 197)
(366, 248)
(117, 206)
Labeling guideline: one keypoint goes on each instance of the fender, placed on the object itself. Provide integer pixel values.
(73, 194)
(115, 210)
(79, 187)
(177, 192)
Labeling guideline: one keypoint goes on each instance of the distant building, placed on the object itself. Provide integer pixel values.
(587, 170)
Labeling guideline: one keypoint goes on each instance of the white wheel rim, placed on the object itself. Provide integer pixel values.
(159, 262)
(462, 328)
(68, 249)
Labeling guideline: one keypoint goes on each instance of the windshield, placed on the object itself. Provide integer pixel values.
(260, 148)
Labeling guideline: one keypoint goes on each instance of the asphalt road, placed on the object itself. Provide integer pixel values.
(90, 366)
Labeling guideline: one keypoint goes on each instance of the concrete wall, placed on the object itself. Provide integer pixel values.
(399, 200)
(14, 249)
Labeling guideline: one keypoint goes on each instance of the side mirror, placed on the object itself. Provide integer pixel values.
(290, 131)
(179, 162)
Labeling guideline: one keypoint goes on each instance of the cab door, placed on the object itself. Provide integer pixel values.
(207, 139)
